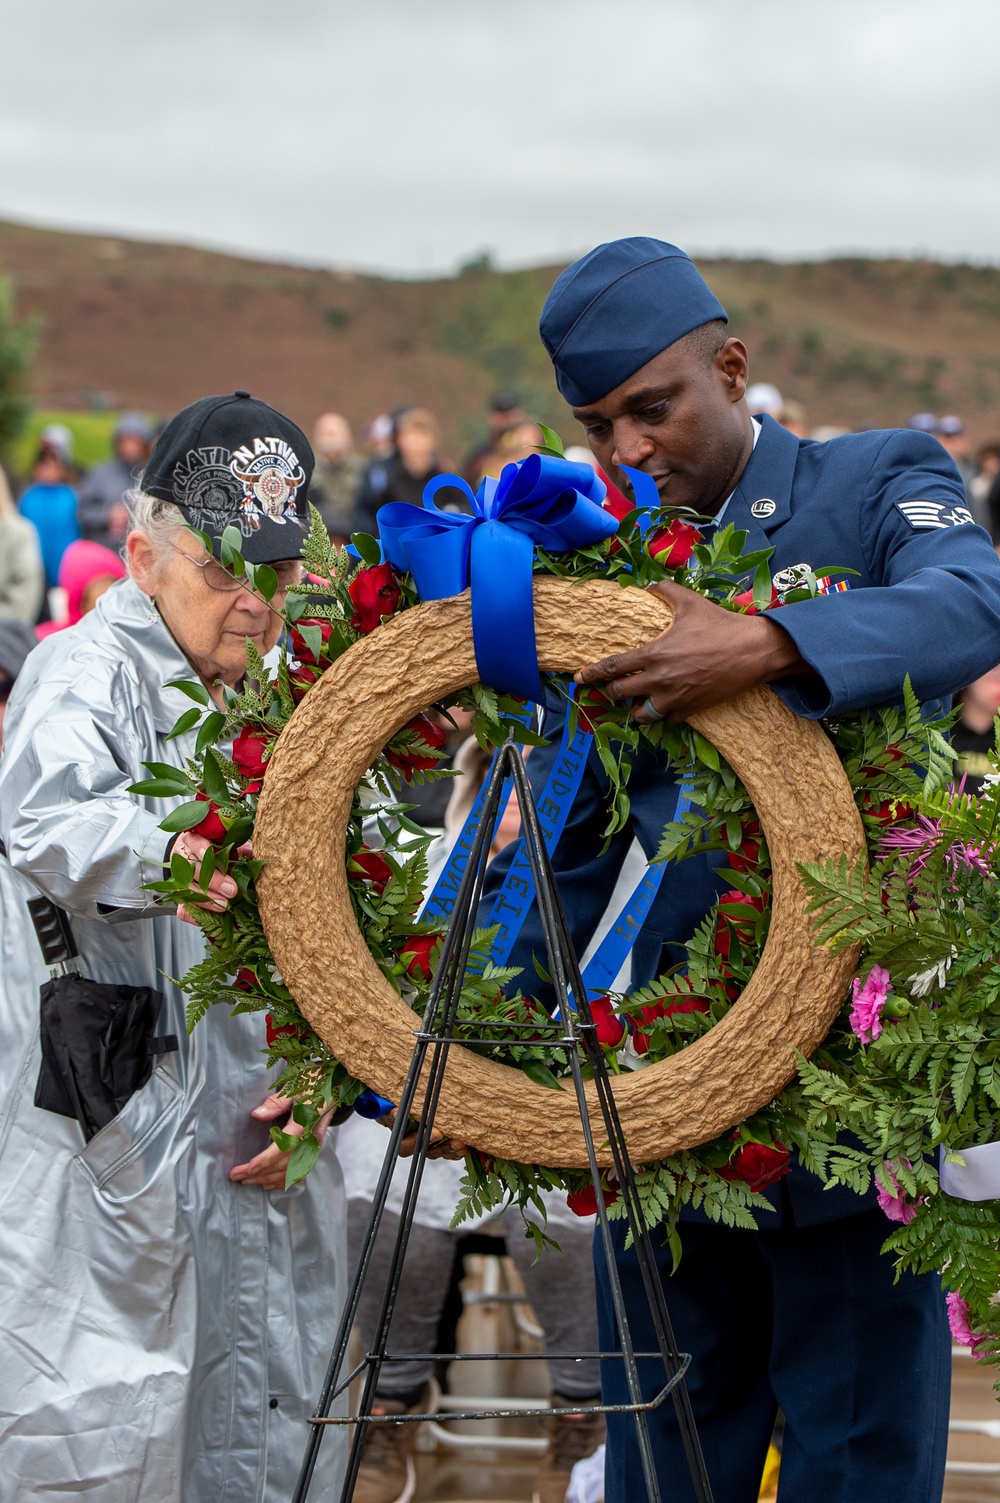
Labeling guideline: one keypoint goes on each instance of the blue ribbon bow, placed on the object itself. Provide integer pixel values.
(551, 503)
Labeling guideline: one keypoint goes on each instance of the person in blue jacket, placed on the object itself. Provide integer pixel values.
(804, 1314)
(49, 504)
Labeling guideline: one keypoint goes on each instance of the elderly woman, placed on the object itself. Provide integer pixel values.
(166, 1306)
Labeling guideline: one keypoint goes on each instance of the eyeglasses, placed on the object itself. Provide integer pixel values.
(287, 571)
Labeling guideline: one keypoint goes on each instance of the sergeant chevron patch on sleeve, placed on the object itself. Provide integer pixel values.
(921, 514)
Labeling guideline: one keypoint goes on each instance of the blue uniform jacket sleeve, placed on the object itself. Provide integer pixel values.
(928, 604)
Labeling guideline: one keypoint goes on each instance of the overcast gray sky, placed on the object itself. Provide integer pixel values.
(408, 135)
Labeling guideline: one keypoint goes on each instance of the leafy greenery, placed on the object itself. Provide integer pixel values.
(18, 343)
(923, 909)
(929, 1081)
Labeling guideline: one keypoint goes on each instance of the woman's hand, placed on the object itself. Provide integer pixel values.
(268, 1169)
(221, 889)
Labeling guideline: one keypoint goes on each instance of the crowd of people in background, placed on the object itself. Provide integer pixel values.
(47, 513)
(62, 530)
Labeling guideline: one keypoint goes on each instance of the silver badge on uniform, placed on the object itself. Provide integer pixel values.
(765, 507)
(922, 514)
(791, 578)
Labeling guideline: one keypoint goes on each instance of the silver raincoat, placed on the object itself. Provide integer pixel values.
(163, 1332)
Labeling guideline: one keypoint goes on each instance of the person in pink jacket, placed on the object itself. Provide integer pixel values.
(86, 571)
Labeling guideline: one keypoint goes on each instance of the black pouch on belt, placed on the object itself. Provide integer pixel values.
(98, 1041)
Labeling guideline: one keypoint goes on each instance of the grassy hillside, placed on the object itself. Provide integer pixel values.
(133, 324)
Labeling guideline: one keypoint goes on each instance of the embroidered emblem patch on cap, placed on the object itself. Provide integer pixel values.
(922, 514)
(234, 461)
(270, 474)
(204, 484)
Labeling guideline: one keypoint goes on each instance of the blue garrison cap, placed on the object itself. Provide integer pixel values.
(617, 307)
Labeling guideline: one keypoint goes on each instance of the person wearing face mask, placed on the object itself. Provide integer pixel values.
(167, 1306)
(804, 1313)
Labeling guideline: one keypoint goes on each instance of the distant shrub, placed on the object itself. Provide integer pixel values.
(18, 343)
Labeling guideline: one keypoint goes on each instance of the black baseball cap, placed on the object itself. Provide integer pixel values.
(234, 461)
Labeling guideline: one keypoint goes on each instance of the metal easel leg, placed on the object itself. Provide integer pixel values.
(432, 1043)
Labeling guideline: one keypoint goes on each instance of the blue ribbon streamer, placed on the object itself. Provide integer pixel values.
(645, 495)
(371, 1105)
(441, 900)
(612, 952)
(442, 897)
(513, 901)
(540, 501)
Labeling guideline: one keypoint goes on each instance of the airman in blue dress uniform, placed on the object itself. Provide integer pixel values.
(804, 1315)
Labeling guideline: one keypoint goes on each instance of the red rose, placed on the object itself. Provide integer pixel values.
(274, 1034)
(869, 770)
(672, 546)
(299, 646)
(301, 680)
(595, 708)
(370, 865)
(584, 1202)
(610, 1028)
(245, 980)
(248, 753)
(375, 594)
(211, 826)
(617, 504)
(748, 853)
(664, 1008)
(486, 1160)
(417, 950)
(758, 1165)
(407, 757)
(745, 599)
(727, 924)
(891, 812)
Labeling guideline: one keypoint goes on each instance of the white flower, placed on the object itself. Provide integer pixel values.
(629, 1059)
(370, 796)
(921, 982)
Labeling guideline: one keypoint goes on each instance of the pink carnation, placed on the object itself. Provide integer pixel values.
(896, 1206)
(869, 1000)
(958, 1322)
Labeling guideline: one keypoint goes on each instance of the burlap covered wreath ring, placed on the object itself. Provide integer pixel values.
(790, 769)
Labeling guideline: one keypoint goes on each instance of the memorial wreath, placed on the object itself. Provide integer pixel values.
(905, 1080)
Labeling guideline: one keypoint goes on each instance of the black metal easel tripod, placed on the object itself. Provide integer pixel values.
(573, 1032)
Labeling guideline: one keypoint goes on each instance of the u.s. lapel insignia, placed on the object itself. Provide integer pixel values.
(922, 514)
(765, 507)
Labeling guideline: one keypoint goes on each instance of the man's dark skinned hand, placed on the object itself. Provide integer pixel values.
(707, 655)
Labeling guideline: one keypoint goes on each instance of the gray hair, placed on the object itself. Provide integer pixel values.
(159, 520)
